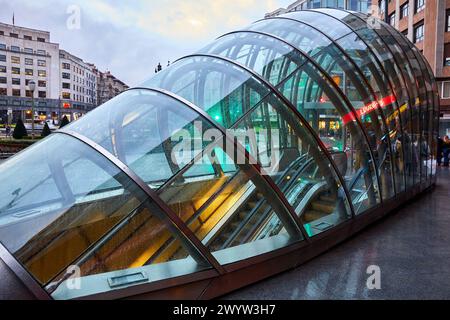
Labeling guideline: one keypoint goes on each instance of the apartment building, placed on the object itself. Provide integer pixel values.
(27, 54)
(109, 86)
(78, 85)
(65, 84)
(427, 24)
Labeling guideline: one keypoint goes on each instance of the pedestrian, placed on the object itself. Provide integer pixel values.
(8, 130)
(446, 150)
(440, 144)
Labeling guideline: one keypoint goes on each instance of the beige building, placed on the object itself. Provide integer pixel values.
(109, 86)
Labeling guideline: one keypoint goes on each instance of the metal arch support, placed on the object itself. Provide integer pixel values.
(23, 275)
(378, 62)
(370, 87)
(253, 163)
(152, 195)
(299, 116)
(326, 75)
(332, 82)
(395, 60)
(422, 65)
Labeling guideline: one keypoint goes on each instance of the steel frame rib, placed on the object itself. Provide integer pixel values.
(23, 274)
(299, 116)
(152, 195)
(404, 76)
(365, 80)
(251, 160)
(327, 76)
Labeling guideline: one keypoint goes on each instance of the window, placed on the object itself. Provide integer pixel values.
(42, 73)
(15, 48)
(2, 33)
(66, 85)
(445, 90)
(66, 95)
(447, 55)
(40, 39)
(15, 70)
(42, 94)
(2, 79)
(66, 75)
(2, 69)
(41, 63)
(28, 37)
(28, 61)
(16, 81)
(3, 92)
(418, 33)
(404, 10)
(419, 5)
(42, 52)
(2, 46)
(42, 83)
(27, 82)
(13, 35)
(15, 59)
(2, 57)
(28, 72)
(66, 66)
(392, 19)
(16, 92)
(28, 93)
(28, 50)
(447, 25)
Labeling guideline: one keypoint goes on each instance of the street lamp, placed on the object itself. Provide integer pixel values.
(32, 86)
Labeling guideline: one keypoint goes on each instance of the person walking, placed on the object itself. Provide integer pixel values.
(8, 130)
(446, 150)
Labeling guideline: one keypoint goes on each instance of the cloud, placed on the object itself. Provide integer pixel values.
(130, 37)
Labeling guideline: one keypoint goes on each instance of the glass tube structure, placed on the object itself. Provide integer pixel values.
(258, 152)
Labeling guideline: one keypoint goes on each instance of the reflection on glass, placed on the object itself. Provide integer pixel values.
(66, 205)
(297, 166)
(144, 129)
(233, 211)
(223, 90)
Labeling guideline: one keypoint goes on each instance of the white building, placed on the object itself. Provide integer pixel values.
(65, 84)
(27, 54)
(78, 84)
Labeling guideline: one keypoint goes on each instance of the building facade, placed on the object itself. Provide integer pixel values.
(355, 5)
(27, 54)
(78, 85)
(65, 84)
(108, 86)
(427, 24)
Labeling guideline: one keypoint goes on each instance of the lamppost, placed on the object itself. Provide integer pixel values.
(32, 86)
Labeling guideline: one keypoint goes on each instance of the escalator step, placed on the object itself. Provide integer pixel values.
(312, 215)
(328, 198)
(323, 206)
(251, 204)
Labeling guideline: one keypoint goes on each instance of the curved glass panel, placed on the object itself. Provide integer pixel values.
(353, 158)
(335, 29)
(66, 206)
(408, 73)
(220, 88)
(395, 72)
(145, 130)
(355, 49)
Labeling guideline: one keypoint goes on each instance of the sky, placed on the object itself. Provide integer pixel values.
(129, 38)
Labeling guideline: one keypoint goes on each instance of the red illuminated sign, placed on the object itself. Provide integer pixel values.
(368, 108)
(66, 105)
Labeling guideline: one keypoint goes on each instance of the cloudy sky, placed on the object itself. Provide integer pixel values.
(130, 37)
